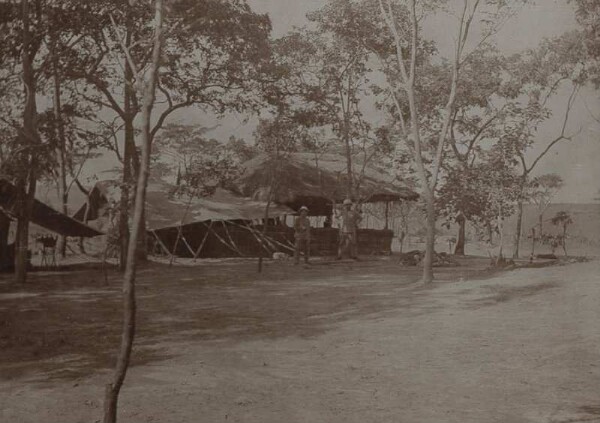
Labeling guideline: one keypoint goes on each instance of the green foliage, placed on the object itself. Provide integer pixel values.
(588, 16)
(562, 218)
(543, 188)
(198, 165)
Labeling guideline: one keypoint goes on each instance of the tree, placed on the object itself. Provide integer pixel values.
(38, 36)
(216, 53)
(148, 88)
(21, 47)
(553, 64)
(194, 162)
(277, 138)
(423, 124)
(325, 84)
(503, 190)
(463, 197)
(197, 165)
(541, 191)
(587, 13)
(562, 219)
(484, 96)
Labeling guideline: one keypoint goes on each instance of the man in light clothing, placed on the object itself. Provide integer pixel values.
(348, 218)
(302, 235)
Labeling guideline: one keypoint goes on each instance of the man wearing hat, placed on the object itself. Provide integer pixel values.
(349, 219)
(302, 235)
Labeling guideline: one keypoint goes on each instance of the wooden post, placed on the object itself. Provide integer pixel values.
(387, 212)
(203, 239)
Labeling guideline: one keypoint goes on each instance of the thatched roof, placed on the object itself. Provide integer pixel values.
(43, 215)
(306, 179)
(165, 210)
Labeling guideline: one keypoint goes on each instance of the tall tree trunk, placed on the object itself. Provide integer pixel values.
(500, 221)
(61, 153)
(459, 249)
(349, 174)
(26, 182)
(129, 301)
(541, 223)
(518, 229)
(429, 240)
(4, 230)
(26, 200)
(128, 153)
(124, 201)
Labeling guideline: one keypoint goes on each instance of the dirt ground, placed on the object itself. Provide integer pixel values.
(331, 342)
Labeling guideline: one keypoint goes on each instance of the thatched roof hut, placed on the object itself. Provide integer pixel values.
(306, 179)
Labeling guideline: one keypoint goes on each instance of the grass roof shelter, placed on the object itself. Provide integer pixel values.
(315, 180)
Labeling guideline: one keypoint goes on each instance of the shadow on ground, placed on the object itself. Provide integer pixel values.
(67, 325)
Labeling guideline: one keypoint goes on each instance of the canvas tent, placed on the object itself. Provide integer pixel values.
(221, 225)
(166, 210)
(44, 215)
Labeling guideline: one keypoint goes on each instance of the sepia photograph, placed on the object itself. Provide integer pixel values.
(299, 211)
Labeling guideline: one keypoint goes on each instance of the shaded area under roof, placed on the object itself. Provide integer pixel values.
(307, 179)
(165, 210)
(44, 215)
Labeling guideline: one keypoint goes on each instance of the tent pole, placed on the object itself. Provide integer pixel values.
(254, 233)
(187, 244)
(179, 232)
(163, 246)
(223, 241)
(230, 238)
(203, 239)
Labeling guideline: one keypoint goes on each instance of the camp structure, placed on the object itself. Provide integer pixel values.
(317, 181)
(223, 224)
(42, 215)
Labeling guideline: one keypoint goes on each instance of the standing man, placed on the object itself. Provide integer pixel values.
(348, 219)
(302, 235)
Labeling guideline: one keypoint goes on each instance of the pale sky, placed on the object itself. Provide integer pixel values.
(575, 161)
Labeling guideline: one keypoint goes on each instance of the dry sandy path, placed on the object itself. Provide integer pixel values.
(523, 347)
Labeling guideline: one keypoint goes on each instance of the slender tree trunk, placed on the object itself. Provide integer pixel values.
(564, 240)
(4, 230)
(128, 148)
(427, 276)
(459, 249)
(61, 148)
(27, 198)
(129, 301)
(124, 201)
(348, 150)
(26, 182)
(500, 257)
(541, 223)
(518, 229)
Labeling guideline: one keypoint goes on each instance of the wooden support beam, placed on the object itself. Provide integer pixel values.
(203, 239)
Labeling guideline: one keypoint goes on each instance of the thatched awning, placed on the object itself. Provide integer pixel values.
(43, 215)
(305, 179)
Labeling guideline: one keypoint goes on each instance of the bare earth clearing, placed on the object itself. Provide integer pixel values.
(329, 343)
